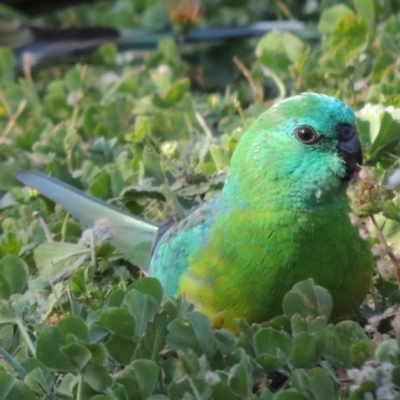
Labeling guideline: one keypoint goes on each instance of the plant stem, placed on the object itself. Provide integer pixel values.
(42, 222)
(194, 388)
(26, 336)
(388, 250)
(255, 87)
(18, 368)
(278, 82)
(79, 392)
(64, 228)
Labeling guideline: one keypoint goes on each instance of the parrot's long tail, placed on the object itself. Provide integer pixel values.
(130, 235)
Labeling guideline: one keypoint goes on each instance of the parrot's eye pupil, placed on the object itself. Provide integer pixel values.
(306, 134)
(346, 132)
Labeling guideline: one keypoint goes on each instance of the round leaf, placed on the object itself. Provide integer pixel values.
(77, 354)
(306, 299)
(96, 376)
(121, 348)
(15, 271)
(118, 320)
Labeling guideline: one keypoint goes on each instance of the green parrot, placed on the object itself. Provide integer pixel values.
(281, 217)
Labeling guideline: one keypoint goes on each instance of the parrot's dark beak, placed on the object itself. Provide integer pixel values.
(349, 148)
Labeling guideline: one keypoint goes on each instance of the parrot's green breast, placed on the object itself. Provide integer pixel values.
(251, 259)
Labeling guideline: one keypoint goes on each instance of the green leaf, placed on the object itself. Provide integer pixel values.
(306, 352)
(139, 379)
(6, 384)
(391, 211)
(273, 348)
(73, 325)
(118, 320)
(21, 391)
(329, 18)
(220, 157)
(121, 348)
(314, 386)
(7, 314)
(289, 394)
(6, 335)
(349, 35)
(307, 299)
(77, 354)
(101, 185)
(96, 376)
(223, 391)
(190, 364)
(116, 298)
(388, 350)
(338, 340)
(366, 9)
(266, 394)
(154, 338)
(361, 352)
(67, 384)
(40, 379)
(272, 342)
(159, 101)
(56, 260)
(142, 307)
(309, 324)
(48, 351)
(11, 244)
(51, 341)
(395, 376)
(78, 283)
(240, 379)
(142, 128)
(150, 286)
(194, 333)
(7, 62)
(73, 79)
(99, 352)
(177, 91)
(5, 290)
(225, 340)
(15, 272)
(106, 54)
(387, 134)
(279, 50)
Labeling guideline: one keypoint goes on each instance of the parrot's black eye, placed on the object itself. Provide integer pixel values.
(306, 134)
(346, 132)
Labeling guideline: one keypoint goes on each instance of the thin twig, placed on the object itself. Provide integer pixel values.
(12, 118)
(18, 368)
(285, 9)
(42, 222)
(6, 105)
(26, 336)
(28, 61)
(203, 124)
(257, 89)
(271, 74)
(388, 250)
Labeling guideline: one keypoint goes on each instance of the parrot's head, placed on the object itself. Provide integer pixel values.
(304, 148)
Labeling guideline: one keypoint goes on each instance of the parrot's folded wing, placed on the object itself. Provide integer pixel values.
(130, 235)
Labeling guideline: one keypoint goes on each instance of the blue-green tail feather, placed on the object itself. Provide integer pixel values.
(130, 235)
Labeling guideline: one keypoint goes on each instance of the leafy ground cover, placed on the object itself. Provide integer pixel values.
(152, 132)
